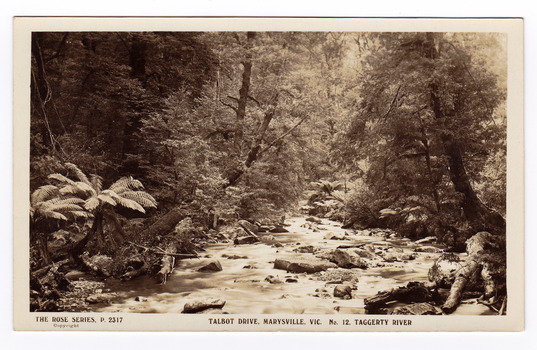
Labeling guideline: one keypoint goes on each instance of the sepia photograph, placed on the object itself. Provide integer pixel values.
(270, 177)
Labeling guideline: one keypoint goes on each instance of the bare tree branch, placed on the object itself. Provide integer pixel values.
(282, 136)
(228, 105)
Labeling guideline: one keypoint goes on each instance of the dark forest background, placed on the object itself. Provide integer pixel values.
(399, 130)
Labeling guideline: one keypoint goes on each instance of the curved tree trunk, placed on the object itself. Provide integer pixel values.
(479, 216)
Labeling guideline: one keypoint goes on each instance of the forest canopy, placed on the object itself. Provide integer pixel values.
(407, 129)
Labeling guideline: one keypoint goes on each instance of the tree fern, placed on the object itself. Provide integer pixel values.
(126, 183)
(131, 204)
(79, 173)
(141, 197)
(86, 197)
(61, 178)
(97, 182)
(43, 193)
(107, 199)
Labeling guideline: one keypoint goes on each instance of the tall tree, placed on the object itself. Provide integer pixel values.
(431, 109)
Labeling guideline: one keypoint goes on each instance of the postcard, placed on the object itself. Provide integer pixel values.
(268, 174)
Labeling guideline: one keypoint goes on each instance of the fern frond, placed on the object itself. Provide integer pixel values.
(61, 178)
(107, 199)
(68, 200)
(111, 193)
(79, 173)
(141, 197)
(80, 214)
(78, 188)
(65, 207)
(131, 204)
(92, 204)
(53, 215)
(126, 183)
(43, 193)
(97, 182)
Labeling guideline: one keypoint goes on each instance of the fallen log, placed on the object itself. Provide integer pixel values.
(348, 246)
(165, 224)
(43, 271)
(475, 247)
(163, 252)
(248, 231)
(412, 292)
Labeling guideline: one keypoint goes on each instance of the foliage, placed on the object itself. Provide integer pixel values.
(238, 124)
(406, 139)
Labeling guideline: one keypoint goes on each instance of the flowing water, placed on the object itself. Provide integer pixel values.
(247, 292)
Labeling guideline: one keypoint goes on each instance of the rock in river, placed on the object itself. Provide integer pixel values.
(335, 236)
(212, 266)
(100, 298)
(278, 229)
(346, 260)
(273, 280)
(343, 291)
(200, 305)
(427, 249)
(298, 265)
(245, 240)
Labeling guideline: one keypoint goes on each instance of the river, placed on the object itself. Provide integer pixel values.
(246, 291)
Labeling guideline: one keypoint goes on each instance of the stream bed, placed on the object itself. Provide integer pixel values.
(243, 283)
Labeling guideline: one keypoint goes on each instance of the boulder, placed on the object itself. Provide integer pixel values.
(321, 293)
(427, 249)
(416, 309)
(364, 254)
(305, 249)
(335, 236)
(343, 291)
(314, 220)
(213, 266)
(201, 305)
(234, 257)
(278, 229)
(346, 260)
(273, 280)
(407, 256)
(100, 298)
(391, 258)
(302, 265)
(245, 240)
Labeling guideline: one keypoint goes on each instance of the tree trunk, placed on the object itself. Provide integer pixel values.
(98, 227)
(119, 233)
(165, 224)
(244, 92)
(43, 248)
(41, 90)
(479, 216)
